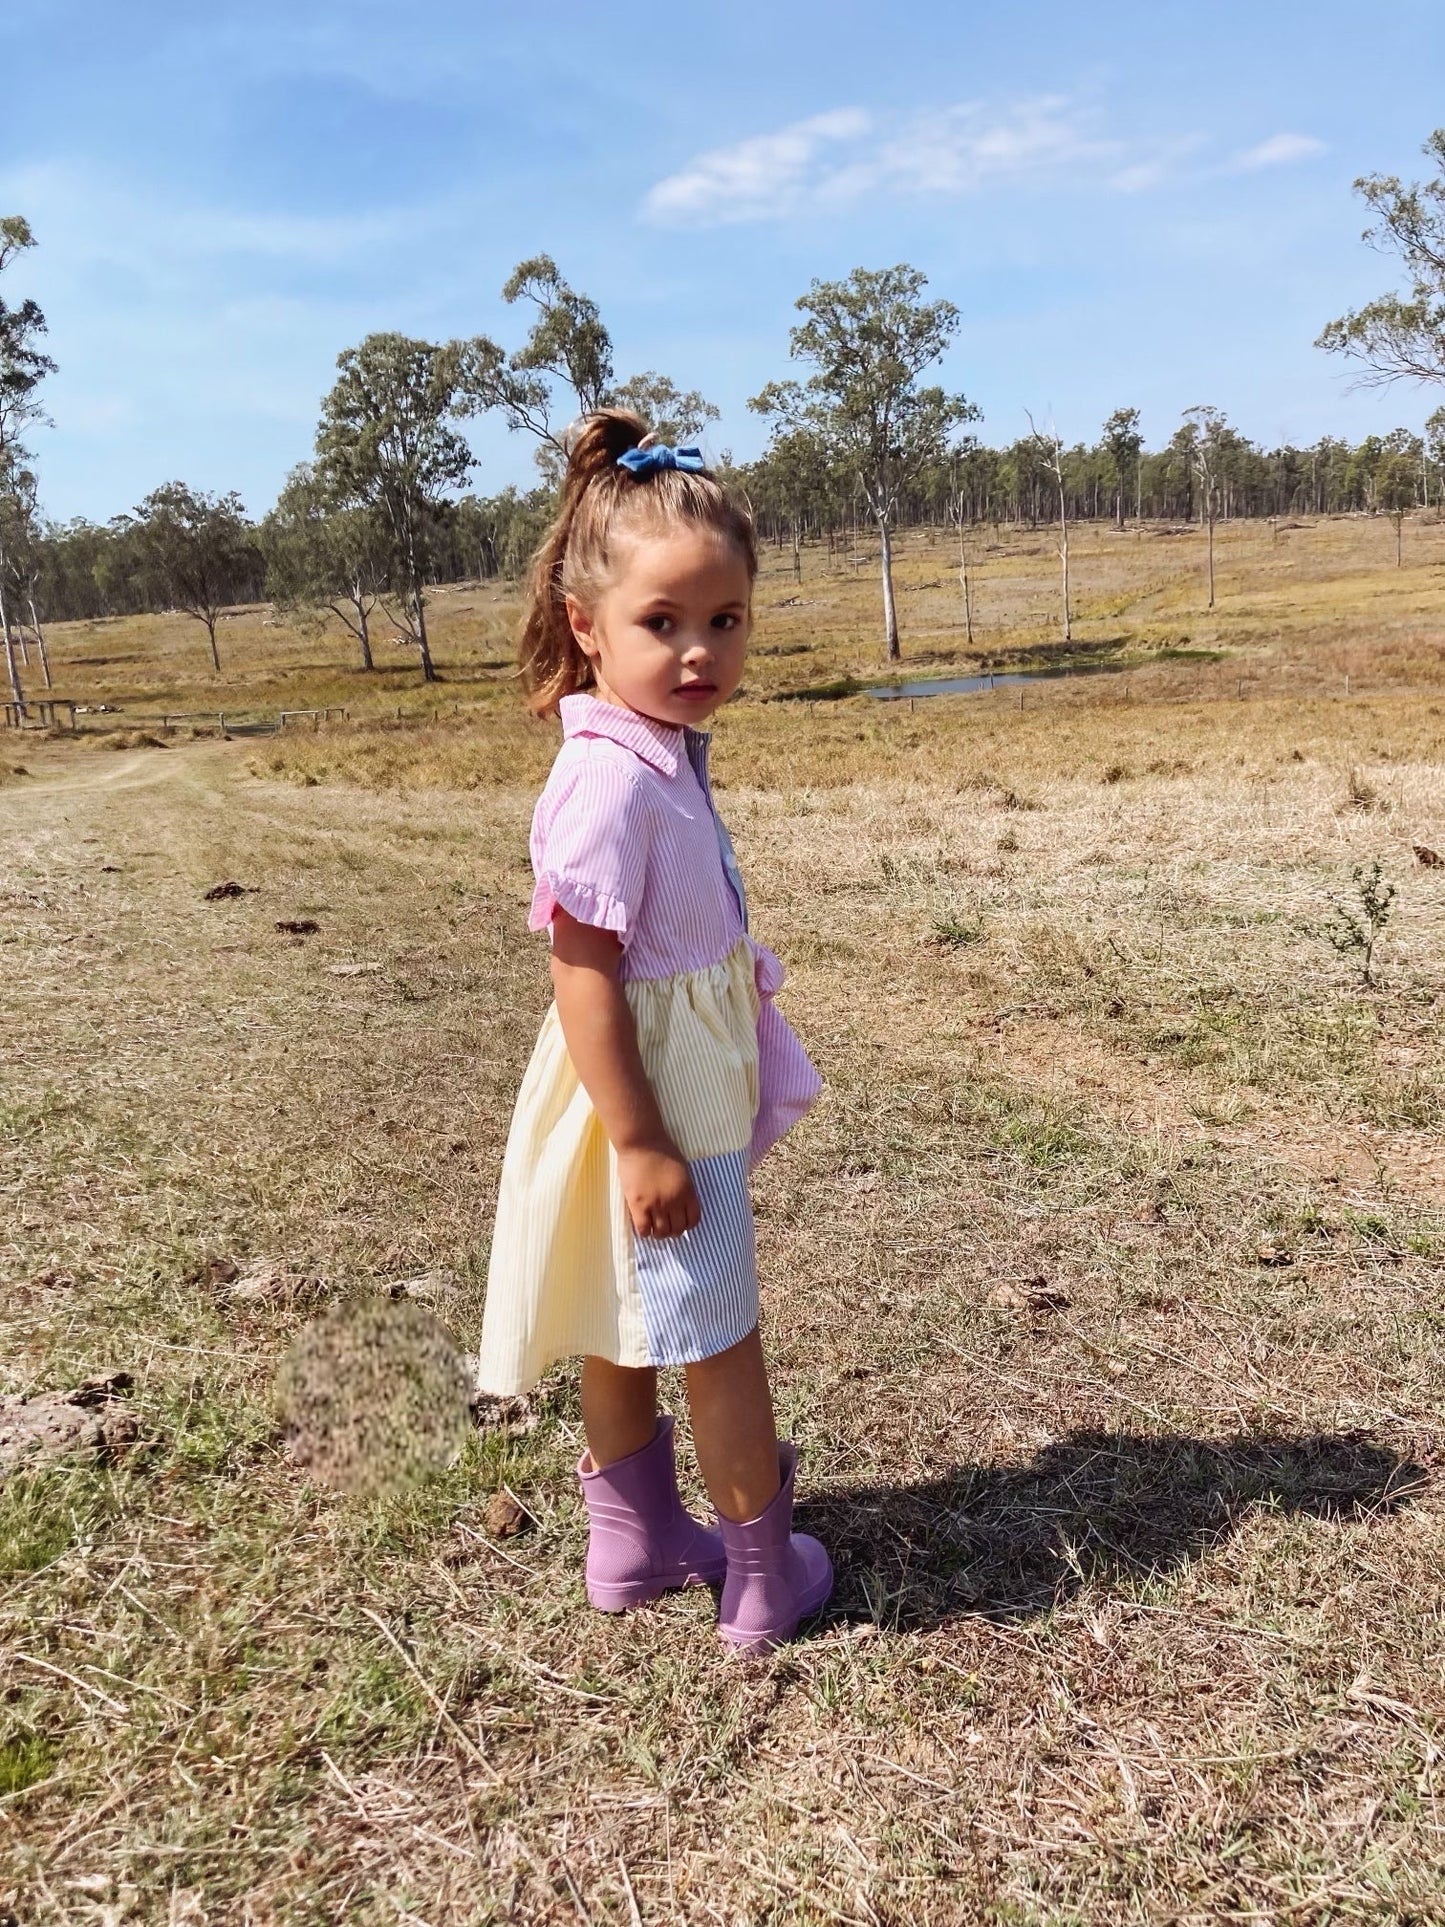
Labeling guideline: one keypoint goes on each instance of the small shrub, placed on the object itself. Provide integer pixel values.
(954, 932)
(1354, 928)
(1361, 794)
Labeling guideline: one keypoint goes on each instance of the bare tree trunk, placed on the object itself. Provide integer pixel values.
(17, 694)
(890, 608)
(12, 667)
(428, 671)
(797, 554)
(963, 578)
(1399, 533)
(209, 619)
(1064, 560)
(40, 643)
(363, 628)
(1210, 518)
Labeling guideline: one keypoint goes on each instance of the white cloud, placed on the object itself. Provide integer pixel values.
(756, 179)
(1139, 177)
(1280, 150)
(838, 159)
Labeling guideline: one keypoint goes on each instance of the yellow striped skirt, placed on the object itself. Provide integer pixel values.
(567, 1273)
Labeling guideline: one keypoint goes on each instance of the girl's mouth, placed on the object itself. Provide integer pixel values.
(695, 692)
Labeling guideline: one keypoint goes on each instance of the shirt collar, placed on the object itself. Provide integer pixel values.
(659, 744)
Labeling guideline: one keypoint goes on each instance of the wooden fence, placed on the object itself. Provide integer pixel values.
(39, 715)
(231, 724)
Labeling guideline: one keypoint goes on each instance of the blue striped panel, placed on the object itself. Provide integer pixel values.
(700, 1291)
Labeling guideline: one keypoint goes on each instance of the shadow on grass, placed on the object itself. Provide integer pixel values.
(1094, 1508)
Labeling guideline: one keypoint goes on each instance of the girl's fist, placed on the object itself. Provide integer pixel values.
(659, 1191)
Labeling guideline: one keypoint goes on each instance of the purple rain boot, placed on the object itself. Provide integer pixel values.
(775, 1576)
(641, 1543)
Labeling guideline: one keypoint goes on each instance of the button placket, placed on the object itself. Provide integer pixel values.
(698, 751)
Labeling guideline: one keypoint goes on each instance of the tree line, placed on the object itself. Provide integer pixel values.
(859, 439)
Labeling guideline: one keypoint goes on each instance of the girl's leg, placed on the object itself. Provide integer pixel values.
(619, 1409)
(733, 1429)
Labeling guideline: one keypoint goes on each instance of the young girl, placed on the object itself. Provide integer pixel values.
(663, 1071)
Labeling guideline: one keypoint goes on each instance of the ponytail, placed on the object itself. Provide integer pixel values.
(575, 554)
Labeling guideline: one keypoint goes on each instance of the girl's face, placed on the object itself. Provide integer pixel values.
(667, 636)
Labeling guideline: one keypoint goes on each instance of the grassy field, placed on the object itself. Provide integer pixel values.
(1104, 1285)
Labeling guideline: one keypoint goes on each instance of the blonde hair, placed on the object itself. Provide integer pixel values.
(575, 557)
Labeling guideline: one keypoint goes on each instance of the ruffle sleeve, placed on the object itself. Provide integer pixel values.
(590, 841)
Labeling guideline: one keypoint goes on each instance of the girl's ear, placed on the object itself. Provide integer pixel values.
(583, 630)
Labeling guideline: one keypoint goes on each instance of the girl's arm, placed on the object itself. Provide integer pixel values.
(601, 1036)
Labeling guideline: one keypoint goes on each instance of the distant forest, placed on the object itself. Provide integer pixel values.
(99, 569)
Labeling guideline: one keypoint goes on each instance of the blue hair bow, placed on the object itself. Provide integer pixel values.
(651, 461)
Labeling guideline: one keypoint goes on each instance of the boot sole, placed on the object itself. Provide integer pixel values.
(641, 1592)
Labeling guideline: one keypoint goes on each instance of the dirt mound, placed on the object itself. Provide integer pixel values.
(55, 1425)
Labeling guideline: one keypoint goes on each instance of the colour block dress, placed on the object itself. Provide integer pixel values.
(626, 837)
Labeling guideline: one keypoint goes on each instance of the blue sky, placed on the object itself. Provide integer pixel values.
(1130, 204)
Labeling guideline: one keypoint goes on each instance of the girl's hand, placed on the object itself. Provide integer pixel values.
(659, 1191)
(601, 1037)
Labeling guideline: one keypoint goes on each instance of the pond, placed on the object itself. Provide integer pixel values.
(892, 692)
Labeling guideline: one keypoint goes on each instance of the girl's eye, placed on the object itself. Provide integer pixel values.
(725, 621)
(659, 625)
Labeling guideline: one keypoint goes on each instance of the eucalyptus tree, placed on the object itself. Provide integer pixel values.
(1050, 451)
(1123, 443)
(673, 414)
(388, 442)
(320, 555)
(197, 550)
(1401, 335)
(960, 503)
(1434, 456)
(22, 554)
(1210, 440)
(10, 467)
(564, 369)
(564, 364)
(1397, 483)
(22, 365)
(867, 340)
(22, 369)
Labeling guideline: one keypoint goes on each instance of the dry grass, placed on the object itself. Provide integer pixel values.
(1299, 610)
(1103, 1289)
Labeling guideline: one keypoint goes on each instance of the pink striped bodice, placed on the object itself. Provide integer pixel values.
(625, 836)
